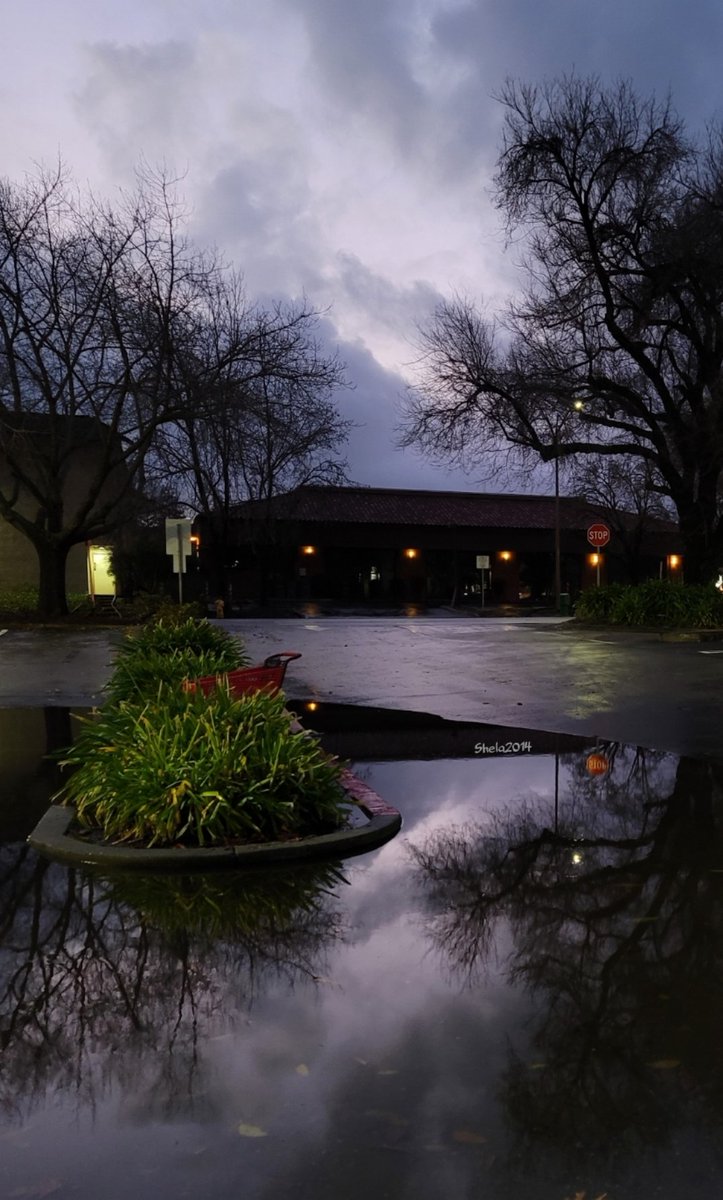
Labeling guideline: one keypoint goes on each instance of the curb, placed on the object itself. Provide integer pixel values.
(51, 838)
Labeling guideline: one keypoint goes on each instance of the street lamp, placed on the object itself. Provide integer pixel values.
(578, 405)
(558, 580)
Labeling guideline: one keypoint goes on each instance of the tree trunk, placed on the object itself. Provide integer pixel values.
(52, 601)
(702, 544)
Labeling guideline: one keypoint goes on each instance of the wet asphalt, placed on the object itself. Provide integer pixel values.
(537, 673)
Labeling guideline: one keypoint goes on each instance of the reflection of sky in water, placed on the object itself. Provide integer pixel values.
(374, 1069)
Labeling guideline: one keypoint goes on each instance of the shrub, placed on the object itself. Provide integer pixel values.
(595, 603)
(19, 601)
(192, 770)
(657, 603)
(167, 651)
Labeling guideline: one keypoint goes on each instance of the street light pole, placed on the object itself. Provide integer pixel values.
(558, 580)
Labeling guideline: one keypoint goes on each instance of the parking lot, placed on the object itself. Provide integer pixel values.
(540, 673)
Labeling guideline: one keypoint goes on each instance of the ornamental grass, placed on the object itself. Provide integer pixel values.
(167, 652)
(185, 769)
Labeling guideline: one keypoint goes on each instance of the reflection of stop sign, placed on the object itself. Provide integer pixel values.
(597, 764)
(598, 535)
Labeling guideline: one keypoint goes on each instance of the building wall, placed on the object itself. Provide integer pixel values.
(393, 564)
(18, 558)
(19, 562)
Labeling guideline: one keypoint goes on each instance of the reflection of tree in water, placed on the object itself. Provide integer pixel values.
(115, 981)
(613, 901)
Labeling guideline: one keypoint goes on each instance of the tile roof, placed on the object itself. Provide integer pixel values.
(396, 506)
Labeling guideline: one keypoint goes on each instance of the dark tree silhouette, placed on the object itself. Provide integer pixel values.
(615, 347)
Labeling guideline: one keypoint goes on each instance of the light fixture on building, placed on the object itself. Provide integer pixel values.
(505, 555)
(674, 562)
(410, 552)
(308, 550)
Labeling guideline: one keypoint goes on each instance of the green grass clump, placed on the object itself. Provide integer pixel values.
(190, 770)
(167, 652)
(658, 603)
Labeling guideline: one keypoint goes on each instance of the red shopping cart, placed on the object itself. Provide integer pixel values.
(268, 676)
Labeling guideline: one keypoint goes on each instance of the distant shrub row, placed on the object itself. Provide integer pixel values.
(655, 603)
(21, 603)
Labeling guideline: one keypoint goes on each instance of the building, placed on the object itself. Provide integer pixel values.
(66, 451)
(387, 546)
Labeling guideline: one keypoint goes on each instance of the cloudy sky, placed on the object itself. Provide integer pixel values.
(341, 149)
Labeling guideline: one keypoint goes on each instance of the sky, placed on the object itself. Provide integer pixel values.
(341, 150)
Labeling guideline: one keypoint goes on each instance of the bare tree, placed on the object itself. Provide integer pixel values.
(629, 494)
(259, 414)
(94, 303)
(615, 347)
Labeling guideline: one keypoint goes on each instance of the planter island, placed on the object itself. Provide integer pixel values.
(372, 822)
(188, 769)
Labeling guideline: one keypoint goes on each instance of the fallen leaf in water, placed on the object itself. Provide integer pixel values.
(583, 1196)
(251, 1131)
(468, 1137)
(664, 1064)
(302, 1069)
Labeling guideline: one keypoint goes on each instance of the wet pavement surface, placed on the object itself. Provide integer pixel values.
(536, 673)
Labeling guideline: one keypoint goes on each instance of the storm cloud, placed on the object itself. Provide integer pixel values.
(335, 150)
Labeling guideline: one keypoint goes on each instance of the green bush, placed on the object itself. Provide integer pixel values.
(18, 601)
(595, 604)
(167, 651)
(185, 769)
(656, 603)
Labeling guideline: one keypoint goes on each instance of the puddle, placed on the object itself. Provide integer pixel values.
(518, 996)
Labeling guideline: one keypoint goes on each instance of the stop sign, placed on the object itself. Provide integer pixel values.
(598, 535)
(596, 764)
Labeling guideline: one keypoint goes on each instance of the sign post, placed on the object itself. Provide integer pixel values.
(598, 535)
(178, 545)
(483, 562)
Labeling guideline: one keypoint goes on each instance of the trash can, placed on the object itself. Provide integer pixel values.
(564, 604)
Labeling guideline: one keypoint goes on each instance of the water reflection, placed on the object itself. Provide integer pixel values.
(134, 968)
(519, 996)
(28, 775)
(613, 903)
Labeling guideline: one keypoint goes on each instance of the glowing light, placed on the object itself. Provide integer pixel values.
(308, 550)
(577, 858)
(410, 552)
(578, 405)
(596, 764)
(506, 555)
(595, 560)
(312, 706)
(673, 561)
